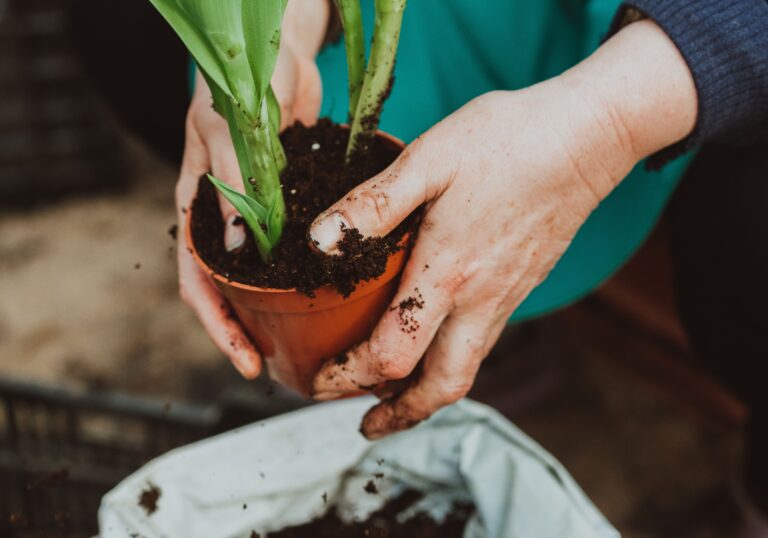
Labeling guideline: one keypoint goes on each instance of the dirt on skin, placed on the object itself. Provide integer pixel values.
(405, 310)
(384, 523)
(316, 177)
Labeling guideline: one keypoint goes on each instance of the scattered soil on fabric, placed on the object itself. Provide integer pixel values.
(384, 524)
(316, 177)
(149, 497)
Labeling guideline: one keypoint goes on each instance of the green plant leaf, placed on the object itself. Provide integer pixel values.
(254, 214)
(378, 74)
(275, 221)
(223, 105)
(273, 106)
(237, 199)
(198, 44)
(276, 147)
(236, 44)
(213, 33)
(261, 23)
(354, 41)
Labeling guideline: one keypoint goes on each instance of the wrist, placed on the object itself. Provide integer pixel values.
(640, 94)
(640, 89)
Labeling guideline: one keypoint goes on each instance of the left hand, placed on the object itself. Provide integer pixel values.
(208, 148)
(507, 181)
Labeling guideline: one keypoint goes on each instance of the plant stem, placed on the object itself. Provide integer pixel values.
(258, 142)
(378, 74)
(276, 147)
(354, 41)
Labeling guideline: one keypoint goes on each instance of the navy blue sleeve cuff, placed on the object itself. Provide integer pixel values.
(725, 43)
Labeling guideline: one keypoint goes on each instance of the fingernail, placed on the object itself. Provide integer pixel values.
(234, 235)
(374, 435)
(248, 371)
(325, 396)
(326, 233)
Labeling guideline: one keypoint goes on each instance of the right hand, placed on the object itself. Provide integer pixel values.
(208, 148)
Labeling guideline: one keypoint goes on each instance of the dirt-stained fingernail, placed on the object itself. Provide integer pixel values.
(326, 233)
(247, 368)
(325, 396)
(234, 233)
(387, 418)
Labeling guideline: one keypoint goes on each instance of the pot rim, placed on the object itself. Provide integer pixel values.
(275, 291)
(249, 287)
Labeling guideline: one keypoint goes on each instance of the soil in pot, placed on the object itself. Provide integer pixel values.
(316, 177)
(384, 523)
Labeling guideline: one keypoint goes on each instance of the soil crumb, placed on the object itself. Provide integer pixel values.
(316, 177)
(370, 488)
(384, 523)
(173, 231)
(408, 322)
(149, 497)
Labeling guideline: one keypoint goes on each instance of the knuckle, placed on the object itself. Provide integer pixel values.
(395, 367)
(380, 362)
(391, 365)
(458, 279)
(377, 202)
(447, 394)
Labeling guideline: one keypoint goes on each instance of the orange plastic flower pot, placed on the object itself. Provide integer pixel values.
(296, 333)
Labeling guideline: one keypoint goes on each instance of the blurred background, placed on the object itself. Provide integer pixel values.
(102, 367)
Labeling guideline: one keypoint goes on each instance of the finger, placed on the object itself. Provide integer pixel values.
(209, 149)
(309, 93)
(216, 316)
(403, 333)
(284, 83)
(224, 166)
(195, 287)
(450, 368)
(375, 207)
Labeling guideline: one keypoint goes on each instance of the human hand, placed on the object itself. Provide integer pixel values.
(208, 148)
(507, 181)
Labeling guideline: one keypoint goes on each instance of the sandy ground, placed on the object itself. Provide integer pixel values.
(88, 296)
(88, 292)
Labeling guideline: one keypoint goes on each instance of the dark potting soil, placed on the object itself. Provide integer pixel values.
(384, 524)
(316, 177)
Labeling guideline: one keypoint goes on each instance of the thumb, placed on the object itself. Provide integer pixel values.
(375, 207)
(224, 167)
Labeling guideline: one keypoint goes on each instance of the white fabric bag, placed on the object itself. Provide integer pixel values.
(289, 469)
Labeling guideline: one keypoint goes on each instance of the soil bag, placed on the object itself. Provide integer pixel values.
(290, 469)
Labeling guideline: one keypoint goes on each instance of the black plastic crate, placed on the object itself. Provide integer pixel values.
(55, 139)
(61, 451)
